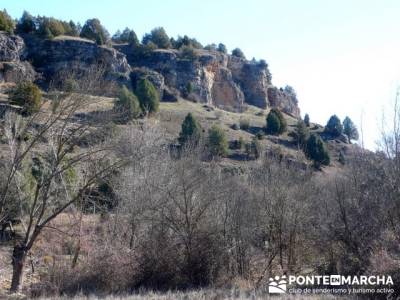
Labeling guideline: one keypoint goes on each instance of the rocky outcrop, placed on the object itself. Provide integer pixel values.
(214, 78)
(11, 47)
(201, 76)
(154, 77)
(283, 100)
(12, 51)
(254, 79)
(209, 77)
(17, 71)
(51, 57)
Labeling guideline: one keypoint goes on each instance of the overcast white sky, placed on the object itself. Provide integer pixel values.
(340, 56)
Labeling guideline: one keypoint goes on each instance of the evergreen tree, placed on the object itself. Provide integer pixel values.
(316, 151)
(334, 126)
(191, 130)
(222, 48)
(149, 98)
(273, 123)
(307, 120)
(127, 105)
(126, 36)
(350, 129)
(217, 142)
(73, 29)
(6, 22)
(301, 134)
(93, 30)
(238, 53)
(276, 123)
(27, 95)
(159, 37)
(27, 23)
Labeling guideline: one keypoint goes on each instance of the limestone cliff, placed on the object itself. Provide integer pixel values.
(50, 57)
(12, 53)
(209, 77)
(215, 78)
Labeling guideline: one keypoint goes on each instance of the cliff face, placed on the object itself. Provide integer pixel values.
(12, 53)
(215, 78)
(209, 77)
(50, 57)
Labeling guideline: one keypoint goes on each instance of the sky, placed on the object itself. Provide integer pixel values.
(342, 57)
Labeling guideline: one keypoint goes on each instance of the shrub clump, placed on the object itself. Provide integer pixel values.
(191, 130)
(7, 24)
(217, 142)
(275, 122)
(127, 105)
(149, 98)
(28, 96)
(93, 30)
(334, 126)
(317, 151)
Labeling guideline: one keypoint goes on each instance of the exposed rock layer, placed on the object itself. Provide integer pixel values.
(205, 76)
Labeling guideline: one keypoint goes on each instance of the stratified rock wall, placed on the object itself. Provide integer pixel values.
(209, 77)
(12, 52)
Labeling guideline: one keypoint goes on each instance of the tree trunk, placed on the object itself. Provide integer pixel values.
(18, 262)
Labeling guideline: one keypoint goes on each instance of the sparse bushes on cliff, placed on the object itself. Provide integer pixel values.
(159, 37)
(28, 96)
(6, 22)
(316, 151)
(350, 129)
(188, 53)
(46, 27)
(26, 24)
(149, 98)
(93, 30)
(191, 131)
(222, 48)
(217, 142)
(307, 120)
(50, 27)
(238, 53)
(334, 126)
(276, 123)
(126, 36)
(127, 105)
(186, 41)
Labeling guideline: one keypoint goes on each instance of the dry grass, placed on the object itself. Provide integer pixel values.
(198, 295)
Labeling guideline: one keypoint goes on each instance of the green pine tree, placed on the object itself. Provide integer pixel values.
(127, 105)
(217, 142)
(350, 129)
(334, 126)
(191, 130)
(307, 120)
(149, 98)
(316, 151)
